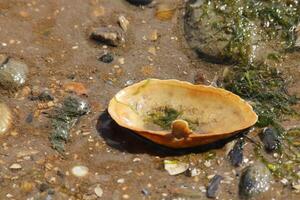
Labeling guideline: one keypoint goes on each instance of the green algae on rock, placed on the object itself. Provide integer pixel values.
(64, 119)
(241, 31)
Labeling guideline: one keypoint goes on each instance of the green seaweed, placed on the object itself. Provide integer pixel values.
(164, 116)
(250, 22)
(266, 87)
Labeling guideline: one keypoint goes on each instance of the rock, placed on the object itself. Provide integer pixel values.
(123, 22)
(139, 2)
(107, 58)
(199, 29)
(145, 192)
(27, 186)
(213, 186)
(13, 73)
(174, 167)
(15, 166)
(65, 118)
(112, 36)
(254, 180)
(43, 187)
(80, 171)
(98, 191)
(191, 172)
(45, 95)
(236, 153)
(270, 139)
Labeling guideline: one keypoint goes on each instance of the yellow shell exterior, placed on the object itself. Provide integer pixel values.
(219, 113)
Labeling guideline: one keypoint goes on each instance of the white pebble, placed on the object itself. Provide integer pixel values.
(80, 171)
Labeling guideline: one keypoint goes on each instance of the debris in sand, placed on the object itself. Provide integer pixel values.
(15, 166)
(112, 36)
(98, 191)
(174, 167)
(107, 57)
(140, 2)
(123, 22)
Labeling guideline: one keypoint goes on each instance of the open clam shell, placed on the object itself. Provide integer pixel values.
(179, 114)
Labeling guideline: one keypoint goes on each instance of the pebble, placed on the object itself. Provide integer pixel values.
(112, 36)
(98, 191)
(236, 155)
(270, 139)
(13, 73)
(80, 171)
(121, 180)
(254, 180)
(213, 186)
(139, 2)
(15, 166)
(107, 58)
(26, 187)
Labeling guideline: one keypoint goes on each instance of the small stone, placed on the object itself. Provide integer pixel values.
(98, 191)
(80, 171)
(139, 2)
(270, 139)
(123, 22)
(213, 186)
(121, 180)
(15, 166)
(152, 50)
(125, 196)
(107, 58)
(153, 36)
(191, 172)
(145, 192)
(112, 36)
(254, 180)
(43, 187)
(26, 187)
(236, 155)
(45, 95)
(13, 74)
(76, 88)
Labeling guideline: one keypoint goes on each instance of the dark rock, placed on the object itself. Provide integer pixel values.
(236, 153)
(46, 95)
(43, 187)
(13, 73)
(213, 186)
(107, 58)
(254, 180)
(200, 78)
(64, 119)
(29, 118)
(270, 138)
(113, 36)
(140, 2)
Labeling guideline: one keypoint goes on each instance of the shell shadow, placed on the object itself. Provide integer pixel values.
(126, 140)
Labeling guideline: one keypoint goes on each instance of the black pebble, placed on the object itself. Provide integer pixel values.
(107, 58)
(43, 187)
(236, 153)
(139, 2)
(270, 138)
(213, 186)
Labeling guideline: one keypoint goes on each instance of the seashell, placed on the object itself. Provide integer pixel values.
(179, 114)
(5, 118)
(165, 11)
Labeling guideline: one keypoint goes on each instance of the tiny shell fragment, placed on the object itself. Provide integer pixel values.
(5, 118)
(165, 11)
(174, 167)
